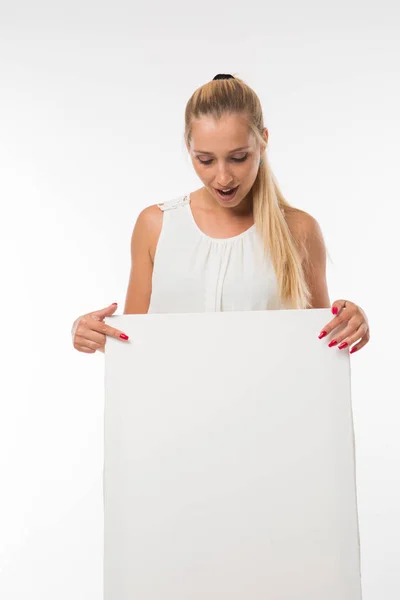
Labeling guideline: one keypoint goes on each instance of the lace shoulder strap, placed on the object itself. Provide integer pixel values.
(174, 203)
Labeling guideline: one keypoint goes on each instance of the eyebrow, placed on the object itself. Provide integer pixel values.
(231, 152)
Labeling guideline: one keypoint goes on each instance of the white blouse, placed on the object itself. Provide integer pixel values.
(196, 273)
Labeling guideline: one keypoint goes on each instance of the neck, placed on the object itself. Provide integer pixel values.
(206, 200)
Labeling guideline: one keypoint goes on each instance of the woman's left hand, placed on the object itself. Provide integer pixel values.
(357, 327)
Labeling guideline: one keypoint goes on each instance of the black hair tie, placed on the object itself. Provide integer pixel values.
(223, 76)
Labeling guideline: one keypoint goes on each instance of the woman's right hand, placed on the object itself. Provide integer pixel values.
(89, 331)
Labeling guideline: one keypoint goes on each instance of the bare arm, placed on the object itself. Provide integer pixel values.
(308, 232)
(143, 243)
(315, 266)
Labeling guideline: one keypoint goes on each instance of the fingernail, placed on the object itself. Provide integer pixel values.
(332, 343)
(124, 337)
(343, 345)
(353, 350)
(334, 310)
(322, 334)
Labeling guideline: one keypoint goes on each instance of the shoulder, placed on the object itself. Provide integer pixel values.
(306, 232)
(150, 217)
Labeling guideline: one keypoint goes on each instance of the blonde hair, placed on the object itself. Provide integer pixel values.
(233, 96)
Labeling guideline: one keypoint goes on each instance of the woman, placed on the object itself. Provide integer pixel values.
(235, 243)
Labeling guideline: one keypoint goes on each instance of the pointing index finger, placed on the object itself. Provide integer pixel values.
(113, 331)
(105, 329)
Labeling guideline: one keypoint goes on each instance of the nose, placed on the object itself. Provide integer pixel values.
(223, 177)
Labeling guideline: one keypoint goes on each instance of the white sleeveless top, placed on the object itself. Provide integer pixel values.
(196, 273)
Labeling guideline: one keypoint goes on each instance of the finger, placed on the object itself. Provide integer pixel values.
(92, 340)
(83, 345)
(103, 328)
(344, 332)
(337, 306)
(337, 321)
(348, 309)
(104, 312)
(360, 344)
(357, 335)
(86, 350)
(340, 306)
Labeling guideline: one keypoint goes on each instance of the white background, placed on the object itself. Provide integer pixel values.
(92, 99)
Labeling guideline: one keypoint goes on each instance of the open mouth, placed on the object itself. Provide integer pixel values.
(227, 195)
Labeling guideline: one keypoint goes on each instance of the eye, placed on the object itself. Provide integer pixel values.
(208, 162)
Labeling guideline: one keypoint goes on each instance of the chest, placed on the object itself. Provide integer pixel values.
(196, 275)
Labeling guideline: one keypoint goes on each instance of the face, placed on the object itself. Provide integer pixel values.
(219, 162)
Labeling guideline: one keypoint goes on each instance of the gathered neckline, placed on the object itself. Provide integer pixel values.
(213, 239)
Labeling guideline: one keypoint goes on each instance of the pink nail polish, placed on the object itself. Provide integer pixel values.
(334, 310)
(343, 345)
(332, 343)
(124, 337)
(322, 334)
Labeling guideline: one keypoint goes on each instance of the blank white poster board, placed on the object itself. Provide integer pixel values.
(229, 467)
